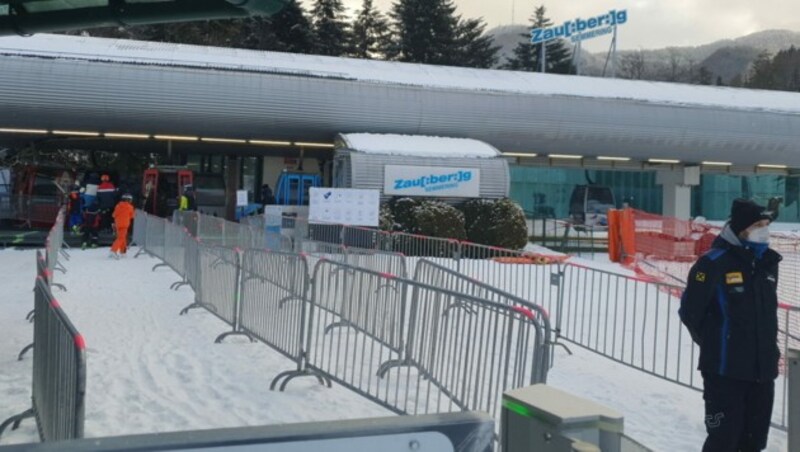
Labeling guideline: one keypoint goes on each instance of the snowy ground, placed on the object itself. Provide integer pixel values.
(150, 370)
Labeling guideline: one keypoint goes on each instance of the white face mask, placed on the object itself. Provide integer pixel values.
(759, 235)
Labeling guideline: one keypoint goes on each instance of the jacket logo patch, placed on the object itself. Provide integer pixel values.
(734, 278)
(714, 420)
(700, 277)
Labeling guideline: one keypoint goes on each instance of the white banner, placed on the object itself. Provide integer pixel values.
(431, 181)
(347, 206)
(241, 198)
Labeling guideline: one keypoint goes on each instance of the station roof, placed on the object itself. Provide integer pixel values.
(81, 83)
(396, 73)
(417, 146)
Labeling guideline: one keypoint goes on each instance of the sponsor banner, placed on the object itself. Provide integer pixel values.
(348, 206)
(431, 181)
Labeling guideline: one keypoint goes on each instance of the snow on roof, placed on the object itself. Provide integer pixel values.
(140, 52)
(417, 145)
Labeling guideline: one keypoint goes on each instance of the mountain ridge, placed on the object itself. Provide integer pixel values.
(724, 58)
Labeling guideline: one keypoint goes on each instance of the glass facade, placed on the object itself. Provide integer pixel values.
(547, 191)
(542, 189)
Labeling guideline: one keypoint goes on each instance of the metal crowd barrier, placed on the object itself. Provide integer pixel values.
(435, 275)
(633, 320)
(48, 264)
(362, 237)
(315, 251)
(59, 372)
(191, 259)
(425, 246)
(175, 238)
(54, 246)
(211, 230)
(459, 353)
(155, 230)
(139, 233)
(44, 273)
(501, 268)
(630, 320)
(219, 270)
(187, 219)
(411, 347)
(376, 260)
(274, 306)
(787, 340)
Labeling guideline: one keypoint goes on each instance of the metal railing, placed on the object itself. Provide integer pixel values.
(139, 233)
(54, 246)
(48, 263)
(430, 273)
(274, 289)
(458, 352)
(409, 346)
(59, 372)
(787, 340)
(217, 290)
(631, 319)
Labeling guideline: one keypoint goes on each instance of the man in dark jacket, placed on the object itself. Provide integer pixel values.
(730, 308)
(91, 225)
(106, 199)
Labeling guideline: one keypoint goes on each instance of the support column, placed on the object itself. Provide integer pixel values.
(677, 190)
(231, 185)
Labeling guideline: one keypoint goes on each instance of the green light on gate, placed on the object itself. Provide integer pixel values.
(520, 409)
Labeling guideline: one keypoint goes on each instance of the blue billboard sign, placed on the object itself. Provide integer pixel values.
(581, 29)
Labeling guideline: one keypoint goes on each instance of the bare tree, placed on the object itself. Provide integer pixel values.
(632, 65)
(674, 65)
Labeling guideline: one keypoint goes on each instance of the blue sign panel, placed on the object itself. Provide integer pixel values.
(580, 29)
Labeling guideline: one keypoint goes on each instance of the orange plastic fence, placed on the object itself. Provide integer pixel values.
(621, 236)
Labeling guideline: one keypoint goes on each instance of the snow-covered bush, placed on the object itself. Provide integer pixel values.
(437, 219)
(509, 229)
(496, 223)
(478, 217)
(403, 212)
(386, 218)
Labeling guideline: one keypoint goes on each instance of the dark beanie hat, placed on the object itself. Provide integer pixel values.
(744, 213)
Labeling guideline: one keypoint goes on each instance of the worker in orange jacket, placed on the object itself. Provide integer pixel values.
(123, 216)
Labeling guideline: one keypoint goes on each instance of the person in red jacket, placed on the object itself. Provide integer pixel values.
(123, 216)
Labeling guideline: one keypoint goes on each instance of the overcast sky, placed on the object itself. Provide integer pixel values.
(651, 23)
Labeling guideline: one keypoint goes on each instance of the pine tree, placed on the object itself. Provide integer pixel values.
(761, 75)
(704, 76)
(430, 31)
(527, 56)
(424, 31)
(370, 32)
(476, 48)
(287, 31)
(331, 32)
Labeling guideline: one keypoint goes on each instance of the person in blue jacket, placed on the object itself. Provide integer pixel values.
(730, 307)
